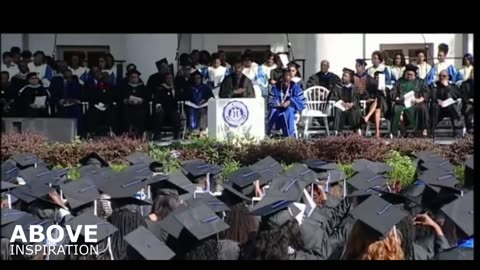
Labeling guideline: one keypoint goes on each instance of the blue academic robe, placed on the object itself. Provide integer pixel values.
(198, 93)
(284, 118)
(432, 76)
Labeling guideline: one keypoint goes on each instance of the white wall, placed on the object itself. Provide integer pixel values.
(454, 41)
(10, 40)
(210, 42)
(145, 49)
(45, 42)
(470, 43)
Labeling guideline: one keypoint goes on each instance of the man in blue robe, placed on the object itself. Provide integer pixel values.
(198, 94)
(284, 101)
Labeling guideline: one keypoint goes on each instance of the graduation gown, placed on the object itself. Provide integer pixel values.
(284, 118)
(423, 69)
(70, 93)
(257, 75)
(383, 68)
(430, 245)
(100, 92)
(444, 93)
(27, 97)
(397, 73)
(432, 76)
(44, 72)
(327, 80)
(417, 115)
(231, 83)
(6, 100)
(134, 114)
(349, 94)
(467, 92)
(165, 107)
(81, 73)
(198, 94)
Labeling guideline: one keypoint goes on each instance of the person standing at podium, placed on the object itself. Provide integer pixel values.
(237, 85)
(284, 101)
(198, 94)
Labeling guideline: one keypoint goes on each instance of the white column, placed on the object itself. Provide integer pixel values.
(10, 40)
(470, 43)
(145, 49)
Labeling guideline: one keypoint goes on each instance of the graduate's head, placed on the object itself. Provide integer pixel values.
(186, 70)
(5, 76)
(324, 66)
(269, 58)
(68, 75)
(399, 60)
(23, 67)
(204, 57)
(222, 55)
(215, 60)
(195, 56)
(133, 76)
(377, 58)
(102, 63)
(166, 200)
(292, 68)
(347, 77)
(75, 60)
(468, 59)
(32, 78)
(421, 57)
(196, 77)
(110, 60)
(7, 58)
(26, 56)
(442, 52)
(410, 72)
(286, 77)
(168, 79)
(247, 59)
(61, 66)
(38, 57)
(131, 66)
(96, 72)
(443, 76)
(360, 66)
(238, 65)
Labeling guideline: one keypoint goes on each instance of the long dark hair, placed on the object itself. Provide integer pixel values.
(126, 221)
(164, 204)
(206, 250)
(407, 231)
(402, 59)
(241, 224)
(273, 243)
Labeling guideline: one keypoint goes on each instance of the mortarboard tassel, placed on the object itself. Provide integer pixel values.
(311, 190)
(344, 187)
(95, 207)
(9, 200)
(395, 233)
(109, 246)
(328, 183)
(149, 192)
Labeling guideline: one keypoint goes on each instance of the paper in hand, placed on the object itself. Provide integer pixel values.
(40, 101)
(448, 102)
(100, 106)
(408, 97)
(381, 81)
(341, 105)
(135, 100)
(309, 203)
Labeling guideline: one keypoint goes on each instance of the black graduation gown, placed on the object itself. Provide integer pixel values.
(443, 93)
(430, 245)
(231, 83)
(354, 115)
(17, 83)
(100, 120)
(327, 80)
(167, 113)
(134, 115)
(27, 97)
(182, 87)
(467, 92)
(456, 254)
(6, 101)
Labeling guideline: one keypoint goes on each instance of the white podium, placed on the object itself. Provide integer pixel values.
(236, 117)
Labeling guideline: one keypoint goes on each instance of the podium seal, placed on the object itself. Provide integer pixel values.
(235, 113)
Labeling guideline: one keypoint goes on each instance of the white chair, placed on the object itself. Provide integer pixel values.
(317, 106)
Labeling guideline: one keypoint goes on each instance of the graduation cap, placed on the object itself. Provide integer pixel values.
(469, 172)
(378, 214)
(9, 171)
(270, 204)
(361, 165)
(411, 67)
(268, 168)
(159, 63)
(11, 215)
(301, 171)
(427, 155)
(148, 245)
(197, 171)
(243, 180)
(366, 179)
(104, 228)
(124, 187)
(80, 192)
(25, 160)
(159, 182)
(25, 222)
(133, 71)
(321, 165)
(200, 221)
(60, 176)
(399, 199)
(212, 202)
(460, 211)
(139, 170)
(5, 186)
(141, 157)
(438, 178)
(361, 62)
(443, 165)
(170, 223)
(232, 195)
(41, 175)
(95, 159)
(31, 192)
(100, 176)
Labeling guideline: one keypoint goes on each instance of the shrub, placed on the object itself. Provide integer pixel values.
(403, 168)
(347, 169)
(230, 167)
(460, 174)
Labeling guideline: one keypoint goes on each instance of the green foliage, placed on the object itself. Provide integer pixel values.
(118, 167)
(286, 166)
(460, 174)
(347, 169)
(73, 174)
(165, 156)
(403, 168)
(229, 167)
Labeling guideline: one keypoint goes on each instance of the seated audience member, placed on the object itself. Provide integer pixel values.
(466, 72)
(423, 66)
(269, 64)
(77, 69)
(69, 99)
(181, 82)
(323, 77)
(199, 95)
(18, 82)
(398, 67)
(293, 67)
(285, 100)
(446, 91)
(155, 80)
(106, 71)
(26, 56)
(378, 65)
(237, 85)
(8, 65)
(135, 98)
(33, 98)
(57, 84)
(255, 73)
(6, 95)
(16, 54)
(223, 60)
(376, 104)
(442, 64)
(43, 70)
(361, 79)
(414, 115)
(101, 110)
(467, 91)
(215, 74)
(165, 107)
(349, 95)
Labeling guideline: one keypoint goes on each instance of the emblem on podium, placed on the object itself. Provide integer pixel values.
(235, 113)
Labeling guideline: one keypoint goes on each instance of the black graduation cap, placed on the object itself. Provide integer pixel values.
(361, 165)
(148, 245)
(243, 179)
(25, 160)
(25, 222)
(438, 178)
(212, 202)
(197, 171)
(272, 203)
(80, 192)
(31, 192)
(444, 165)
(141, 157)
(335, 176)
(40, 174)
(361, 62)
(7, 186)
(100, 176)
(291, 188)
(133, 71)
(11, 215)
(104, 228)
(125, 186)
(427, 156)
(469, 172)
(139, 170)
(199, 220)
(94, 158)
(301, 171)
(170, 223)
(9, 170)
(279, 218)
(60, 176)
(398, 199)
(378, 214)
(160, 181)
(349, 71)
(367, 179)
(268, 168)
(411, 67)
(234, 196)
(321, 165)
(460, 211)
(160, 62)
